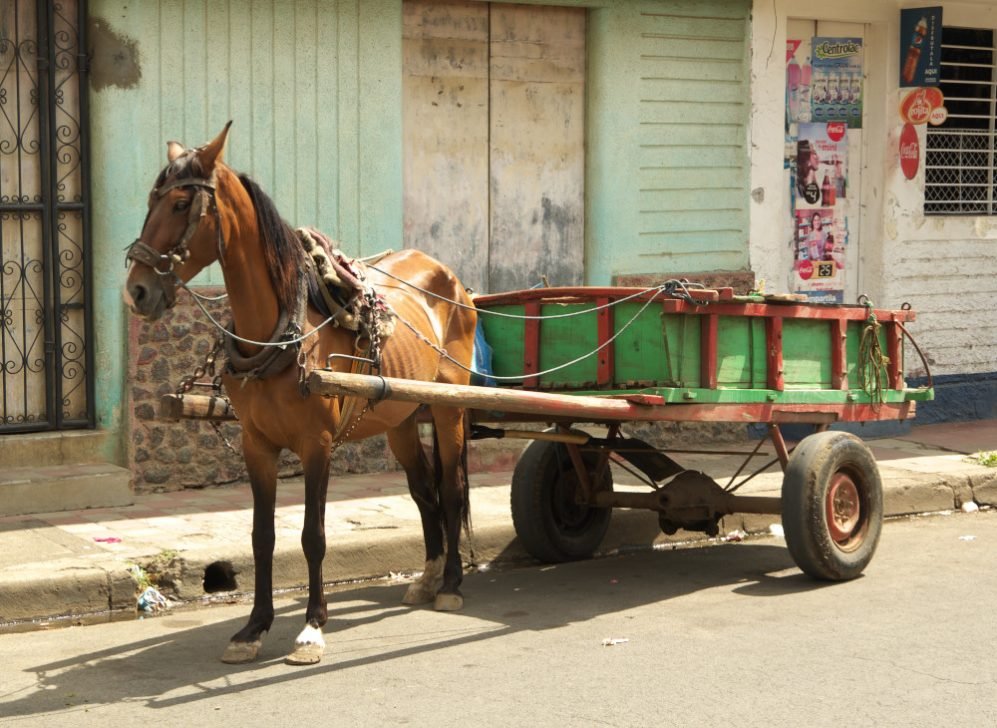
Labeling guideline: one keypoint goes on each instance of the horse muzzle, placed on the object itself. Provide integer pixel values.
(149, 295)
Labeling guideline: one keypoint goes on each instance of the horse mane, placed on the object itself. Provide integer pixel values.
(285, 258)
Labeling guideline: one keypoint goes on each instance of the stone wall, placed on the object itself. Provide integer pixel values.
(190, 453)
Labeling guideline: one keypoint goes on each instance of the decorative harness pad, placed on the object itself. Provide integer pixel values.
(348, 296)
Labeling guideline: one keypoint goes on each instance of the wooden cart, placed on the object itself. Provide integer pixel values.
(675, 353)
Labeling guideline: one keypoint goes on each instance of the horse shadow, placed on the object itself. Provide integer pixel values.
(159, 671)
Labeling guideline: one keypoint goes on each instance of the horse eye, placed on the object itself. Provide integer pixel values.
(181, 205)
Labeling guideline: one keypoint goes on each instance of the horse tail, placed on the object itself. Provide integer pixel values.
(464, 475)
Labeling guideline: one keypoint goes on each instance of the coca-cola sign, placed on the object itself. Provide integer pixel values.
(917, 105)
(910, 151)
(836, 130)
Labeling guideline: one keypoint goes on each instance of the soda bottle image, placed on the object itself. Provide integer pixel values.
(914, 51)
(793, 75)
(827, 192)
(839, 179)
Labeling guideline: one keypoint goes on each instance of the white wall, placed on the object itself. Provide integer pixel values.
(946, 268)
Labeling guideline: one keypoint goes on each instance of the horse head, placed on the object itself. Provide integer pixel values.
(182, 233)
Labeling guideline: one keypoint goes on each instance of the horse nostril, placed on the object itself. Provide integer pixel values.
(138, 292)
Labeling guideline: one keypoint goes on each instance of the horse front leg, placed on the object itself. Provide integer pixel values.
(261, 464)
(309, 644)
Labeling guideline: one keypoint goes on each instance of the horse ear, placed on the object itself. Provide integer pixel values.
(174, 150)
(211, 153)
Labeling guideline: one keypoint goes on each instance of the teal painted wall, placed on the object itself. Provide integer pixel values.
(667, 167)
(314, 90)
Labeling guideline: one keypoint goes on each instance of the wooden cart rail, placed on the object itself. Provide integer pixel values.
(712, 341)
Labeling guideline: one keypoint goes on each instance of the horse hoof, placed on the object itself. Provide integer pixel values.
(417, 594)
(448, 602)
(238, 653)
(308, 653)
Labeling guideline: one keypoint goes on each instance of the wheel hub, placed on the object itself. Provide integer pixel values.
(844, 508)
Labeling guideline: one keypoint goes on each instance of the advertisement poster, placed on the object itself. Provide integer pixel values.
(821, 165)
(819, 202)
(798, 75)
(920, 46)
(836, 79)
(820, 255)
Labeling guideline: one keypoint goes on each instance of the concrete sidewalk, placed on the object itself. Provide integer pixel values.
(78, 565)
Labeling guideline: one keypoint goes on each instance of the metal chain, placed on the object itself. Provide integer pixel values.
(373, 329)
(216, 426)
(208, 367)
(341, 438)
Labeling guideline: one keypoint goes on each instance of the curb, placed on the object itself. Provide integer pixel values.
(68, 592)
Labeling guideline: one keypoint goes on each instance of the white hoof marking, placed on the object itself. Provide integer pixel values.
(310, 636)
(308, 647)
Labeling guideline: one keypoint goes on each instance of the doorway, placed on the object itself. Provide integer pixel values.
(46, 354)
(494, 161)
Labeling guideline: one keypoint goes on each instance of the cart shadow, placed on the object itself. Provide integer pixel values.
(151, 671)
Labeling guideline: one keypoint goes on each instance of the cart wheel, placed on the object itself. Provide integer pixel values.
(832, 506)
(552, 526)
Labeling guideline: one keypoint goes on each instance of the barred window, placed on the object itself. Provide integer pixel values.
(961, 154)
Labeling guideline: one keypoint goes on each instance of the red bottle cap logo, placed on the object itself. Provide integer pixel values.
(836, 130)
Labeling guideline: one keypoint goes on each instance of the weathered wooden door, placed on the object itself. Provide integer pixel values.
(494, 107)
(45, 351)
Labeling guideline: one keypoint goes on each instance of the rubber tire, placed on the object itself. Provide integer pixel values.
(537, 491)
(809, 473)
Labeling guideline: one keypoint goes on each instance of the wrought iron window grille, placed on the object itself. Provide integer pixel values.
(961, 153)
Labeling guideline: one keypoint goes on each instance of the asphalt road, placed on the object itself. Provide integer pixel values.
(725, 635)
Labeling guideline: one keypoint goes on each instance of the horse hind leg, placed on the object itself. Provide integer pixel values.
(404, 443)
(451, 479)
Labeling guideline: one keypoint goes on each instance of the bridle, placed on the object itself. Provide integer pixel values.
(202, 203)
(285, 343)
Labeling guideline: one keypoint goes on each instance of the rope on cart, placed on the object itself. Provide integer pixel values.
(674, 288)
(518, 377)
(872, 362)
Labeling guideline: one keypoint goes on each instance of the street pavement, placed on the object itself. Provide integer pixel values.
(93, 565)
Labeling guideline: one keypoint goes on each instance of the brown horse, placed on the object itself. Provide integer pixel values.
(201, 211)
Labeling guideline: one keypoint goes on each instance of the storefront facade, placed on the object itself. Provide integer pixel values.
(917, 222)
(581, 142)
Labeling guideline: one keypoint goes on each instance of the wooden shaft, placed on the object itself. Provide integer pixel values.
(483, 398)
(174, 407)
(548, 406)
